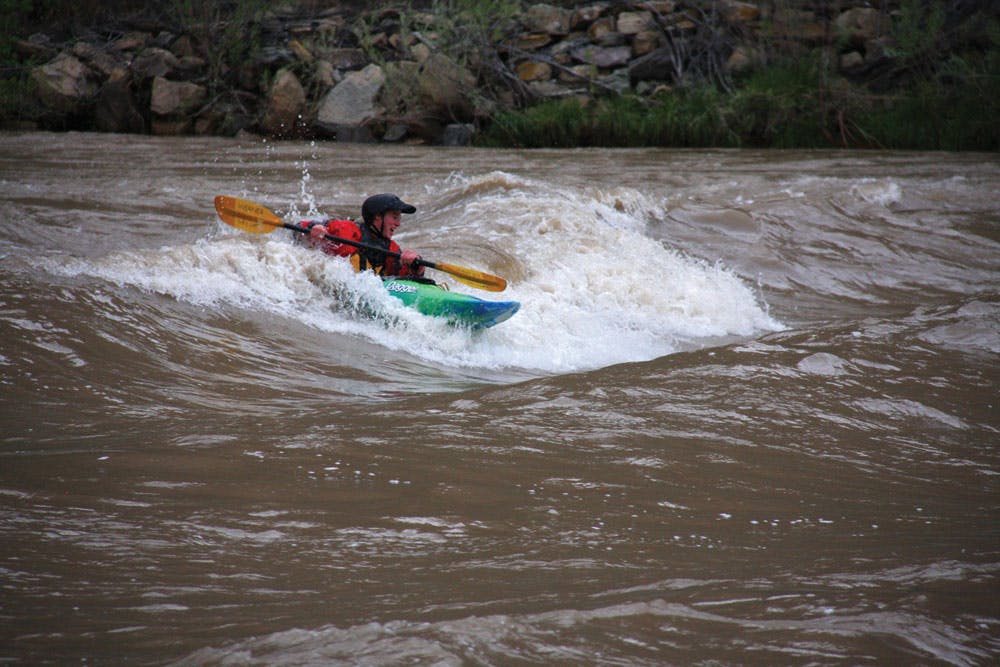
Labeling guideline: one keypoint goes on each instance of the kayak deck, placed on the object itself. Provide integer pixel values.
(431, 299)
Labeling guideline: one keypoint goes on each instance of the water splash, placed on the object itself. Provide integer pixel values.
(595, 290)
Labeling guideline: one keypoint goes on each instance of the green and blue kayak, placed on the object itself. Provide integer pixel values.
(460, 309)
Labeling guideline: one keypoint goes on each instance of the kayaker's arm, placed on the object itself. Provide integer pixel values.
(401, 262)
(257, 219)
(318, 235)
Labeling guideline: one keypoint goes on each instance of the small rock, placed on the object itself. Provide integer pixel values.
(533, 41)
(576, 74)
(346, 59)
(547, 19)
(851, 61)
(600, 28)
(860, 24)
(352, 101)
(420, 52)
(741, 60)
(395, 132)
(645, 42)
(171, 126)
(152, 62)
(740, 12)
(132, 41)
(584, 16)
(534, 71)
(606, 57)
(323, 74)
(458, 134)
(631, 23)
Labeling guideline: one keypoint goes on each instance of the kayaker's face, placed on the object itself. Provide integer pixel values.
(390, 220)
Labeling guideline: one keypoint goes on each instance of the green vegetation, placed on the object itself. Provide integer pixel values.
(485, 19)
(229, 32)
(800, 103)
(691, 118)
(767, 111)
(938, 87)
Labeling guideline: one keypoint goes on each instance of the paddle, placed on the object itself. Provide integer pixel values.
(257, 219)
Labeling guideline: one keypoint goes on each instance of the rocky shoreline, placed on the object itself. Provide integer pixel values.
(394, 75)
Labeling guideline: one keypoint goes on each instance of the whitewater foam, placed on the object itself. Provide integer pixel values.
(594, 289)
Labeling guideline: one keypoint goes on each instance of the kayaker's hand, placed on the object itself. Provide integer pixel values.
(317, 240)
(408, 257)
(317, 233)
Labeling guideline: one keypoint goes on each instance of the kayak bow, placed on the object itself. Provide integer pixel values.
(459, 309)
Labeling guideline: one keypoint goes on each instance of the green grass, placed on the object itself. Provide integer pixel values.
(790, 105)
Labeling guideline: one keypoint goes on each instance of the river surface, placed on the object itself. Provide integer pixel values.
(747, 414)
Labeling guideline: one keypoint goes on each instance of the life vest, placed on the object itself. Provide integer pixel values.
(364, 259)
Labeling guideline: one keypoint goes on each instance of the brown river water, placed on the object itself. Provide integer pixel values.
(747, 414)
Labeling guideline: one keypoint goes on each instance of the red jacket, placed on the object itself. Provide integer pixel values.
(363, 259)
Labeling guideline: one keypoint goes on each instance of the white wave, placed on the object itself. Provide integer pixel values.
(594, 289)
(878, 191)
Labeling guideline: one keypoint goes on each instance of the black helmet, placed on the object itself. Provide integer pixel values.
(378, 204)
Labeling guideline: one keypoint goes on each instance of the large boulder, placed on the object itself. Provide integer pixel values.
(400, 96)
(65, 84)
(445, 86)
(98, 58)
(176, 98)
(116, 110)
(286, 101)
(351, 102)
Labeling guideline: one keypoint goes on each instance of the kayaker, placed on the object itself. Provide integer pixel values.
(382, 215)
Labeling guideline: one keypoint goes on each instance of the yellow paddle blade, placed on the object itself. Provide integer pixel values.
(471, 277)
(246, 215)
